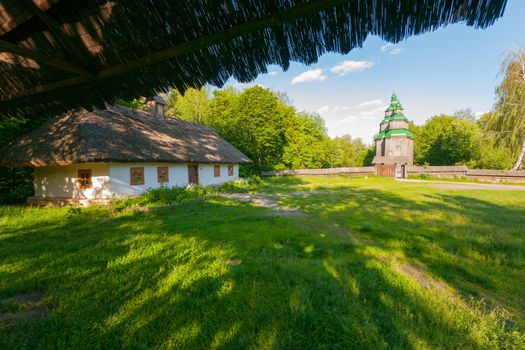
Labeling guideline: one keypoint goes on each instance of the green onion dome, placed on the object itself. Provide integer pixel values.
(394, 133)
(393, 97)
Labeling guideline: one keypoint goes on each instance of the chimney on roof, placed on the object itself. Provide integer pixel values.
(156, 105)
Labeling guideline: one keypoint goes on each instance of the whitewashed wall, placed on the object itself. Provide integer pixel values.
(206, 174)
(113, 180)
(61, 181)
(119, 175)
(178, 176)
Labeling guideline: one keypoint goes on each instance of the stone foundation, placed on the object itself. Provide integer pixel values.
(64, 201)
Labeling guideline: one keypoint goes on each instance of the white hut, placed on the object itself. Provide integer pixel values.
(93, 156)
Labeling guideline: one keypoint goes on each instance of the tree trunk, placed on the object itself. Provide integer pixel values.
(519, 161)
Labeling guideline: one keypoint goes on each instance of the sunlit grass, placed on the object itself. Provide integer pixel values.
(372, 263)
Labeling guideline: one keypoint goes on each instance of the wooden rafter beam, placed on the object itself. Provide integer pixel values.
(59, 34)
(273, 20)
(6, 46)
(13, 21)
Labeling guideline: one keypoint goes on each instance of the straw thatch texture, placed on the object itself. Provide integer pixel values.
(92, 52)
(119, 134)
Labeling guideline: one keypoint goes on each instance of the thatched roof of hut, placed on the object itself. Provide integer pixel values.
(56, 55)
(119, 134)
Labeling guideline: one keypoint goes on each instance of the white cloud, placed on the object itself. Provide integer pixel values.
(370, 103)
(360, 120)
(272, 72)
(339, 108)
(375, 111)
(324, 109)
(479, 114)
(352, 119)
(242, 86)
(391, 49)
(335, 109)
(309, 75)
(346, 67)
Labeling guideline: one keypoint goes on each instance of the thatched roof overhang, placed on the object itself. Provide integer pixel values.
(61, 54)
(119, 134)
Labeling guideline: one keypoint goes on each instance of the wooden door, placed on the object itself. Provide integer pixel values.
(387, 170)
(403, 171)
(193, 174)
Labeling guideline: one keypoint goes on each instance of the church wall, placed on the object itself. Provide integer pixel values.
(410, 150)
(378, 147)
(398, 146)
(398, 124)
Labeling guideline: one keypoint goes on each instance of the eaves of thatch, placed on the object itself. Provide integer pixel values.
(56, 55)
(118, 134)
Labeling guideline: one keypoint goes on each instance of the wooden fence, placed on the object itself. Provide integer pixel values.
(497, 175)
(459, 171)
(438, 171)
(488, 175)
(362, 171)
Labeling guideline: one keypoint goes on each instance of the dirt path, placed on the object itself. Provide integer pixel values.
(265, 201)
(469, 185)
(399, 264)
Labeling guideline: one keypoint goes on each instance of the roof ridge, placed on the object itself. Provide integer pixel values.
(119, 134)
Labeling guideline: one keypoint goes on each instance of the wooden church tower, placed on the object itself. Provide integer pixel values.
(394, 142)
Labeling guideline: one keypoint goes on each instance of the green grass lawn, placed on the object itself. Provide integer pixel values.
(361, 263)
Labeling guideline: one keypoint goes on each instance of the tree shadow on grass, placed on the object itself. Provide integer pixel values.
(224, 274)
(474, 245)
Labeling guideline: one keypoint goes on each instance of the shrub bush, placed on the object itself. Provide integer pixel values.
(423, 176)
(162, 196)
(241, 185)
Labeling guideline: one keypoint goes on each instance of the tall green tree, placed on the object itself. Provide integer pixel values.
(259, 126)
(306, 142)
(263, 124)
(458, 139)
(348, 152)
(16, 184)
(507, 121)
(193, 106)
(220, 109)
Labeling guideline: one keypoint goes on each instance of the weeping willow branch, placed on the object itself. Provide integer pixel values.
(508, 117)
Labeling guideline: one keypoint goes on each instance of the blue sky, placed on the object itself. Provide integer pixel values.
(438, 72)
